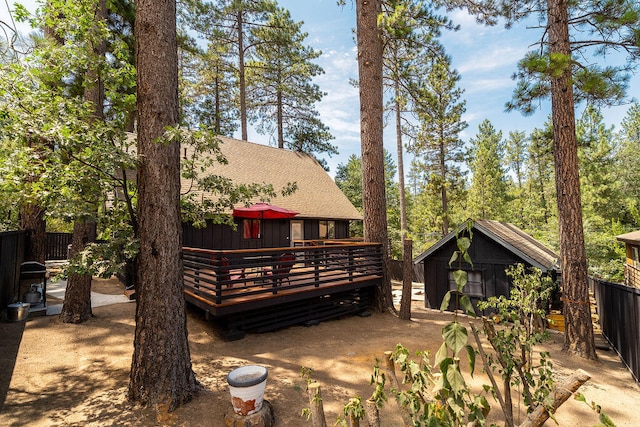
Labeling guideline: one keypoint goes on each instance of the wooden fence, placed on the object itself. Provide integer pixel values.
(619, 312)
(57, 245)
(395, 272)
(11, 257)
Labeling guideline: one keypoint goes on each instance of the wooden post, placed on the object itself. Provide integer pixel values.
(372, 414)
(407, 279)
(315, 404)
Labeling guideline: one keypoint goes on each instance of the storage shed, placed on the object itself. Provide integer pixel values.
(494, 246)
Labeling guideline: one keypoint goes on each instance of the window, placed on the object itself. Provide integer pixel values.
(327, 229)
(251, 229)
(473, 288)
(634, 257)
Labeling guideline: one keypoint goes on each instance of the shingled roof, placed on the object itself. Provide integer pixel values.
(510, 237)
(317, 195)
(633, 237)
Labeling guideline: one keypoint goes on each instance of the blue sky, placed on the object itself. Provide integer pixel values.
(485, 57)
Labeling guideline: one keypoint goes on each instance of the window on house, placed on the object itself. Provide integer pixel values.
(251, 228)
(474, 286)
(635, 256)
(327, 229)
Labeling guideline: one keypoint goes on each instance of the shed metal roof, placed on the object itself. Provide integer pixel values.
(508, 236)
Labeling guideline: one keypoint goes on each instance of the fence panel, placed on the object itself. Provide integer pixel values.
(11, 257)
(57, 245)
(395, 267)
(618, 310)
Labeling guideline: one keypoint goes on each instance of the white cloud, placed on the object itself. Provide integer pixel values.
(490, 59)
(473, 87)
(340, 63)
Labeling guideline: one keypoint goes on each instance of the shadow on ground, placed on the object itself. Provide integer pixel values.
(10, 339)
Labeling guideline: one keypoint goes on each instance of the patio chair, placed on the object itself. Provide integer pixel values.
(224, 273)
(282, 268)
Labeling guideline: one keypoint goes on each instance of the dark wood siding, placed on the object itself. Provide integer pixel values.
(275, 234)
(342, 229)
(12, 248)
(311, 229)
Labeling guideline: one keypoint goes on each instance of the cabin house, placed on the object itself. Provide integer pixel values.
(287, 263)
(323, 212)
(632, 263)
(494, 246)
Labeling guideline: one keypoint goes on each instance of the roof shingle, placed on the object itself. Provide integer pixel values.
(317, 195)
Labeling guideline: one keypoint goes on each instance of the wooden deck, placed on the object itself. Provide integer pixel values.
(259, 290)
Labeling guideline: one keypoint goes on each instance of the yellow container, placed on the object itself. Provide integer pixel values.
(556, 322)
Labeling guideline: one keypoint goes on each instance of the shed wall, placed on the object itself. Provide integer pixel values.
(488, 257)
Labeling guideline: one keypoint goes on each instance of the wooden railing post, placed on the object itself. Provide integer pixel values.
(316, 268)
(351, 267)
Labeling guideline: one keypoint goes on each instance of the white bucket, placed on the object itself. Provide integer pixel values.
(247, 385)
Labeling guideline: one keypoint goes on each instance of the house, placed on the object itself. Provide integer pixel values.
(632, 263)
(494, 246)
(324, 212)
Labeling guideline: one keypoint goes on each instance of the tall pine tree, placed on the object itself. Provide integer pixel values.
(283, 96)
(488, 192)
(438, 142)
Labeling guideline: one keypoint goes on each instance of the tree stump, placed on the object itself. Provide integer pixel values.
(263, 418)
(315, 405)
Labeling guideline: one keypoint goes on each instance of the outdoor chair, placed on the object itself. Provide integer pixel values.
(224, 273)
(281, 269)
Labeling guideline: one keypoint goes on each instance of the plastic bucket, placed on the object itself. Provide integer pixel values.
(247, 385)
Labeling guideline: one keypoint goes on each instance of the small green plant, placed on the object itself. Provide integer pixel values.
(605, 421)
(520, 328)
(436, 398)
(352, 411)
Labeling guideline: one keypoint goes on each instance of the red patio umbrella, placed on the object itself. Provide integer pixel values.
(263, 211)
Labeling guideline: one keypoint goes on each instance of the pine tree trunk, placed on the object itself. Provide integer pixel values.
(280, 120)
(241, 77)
(443, 191)
(373, 184)
(399, 146)
(32, 220)
(161, 373)
(407, 279)
(77, 297)
(578, 325)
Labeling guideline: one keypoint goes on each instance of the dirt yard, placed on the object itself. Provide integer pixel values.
(53, 374)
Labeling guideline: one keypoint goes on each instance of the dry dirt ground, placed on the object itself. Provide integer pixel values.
(54, 374)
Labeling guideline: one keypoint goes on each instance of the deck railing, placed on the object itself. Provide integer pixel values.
(229, 276)
(631, 276)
